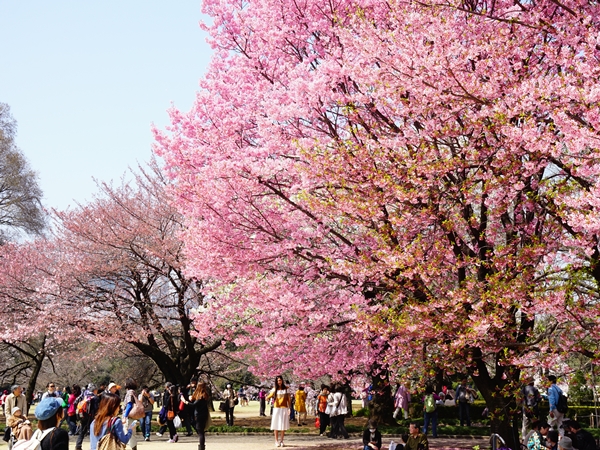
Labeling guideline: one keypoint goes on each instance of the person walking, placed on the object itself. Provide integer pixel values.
(300, 406)
(172, 408)
(163, 411)
(262, 401)
(91, 399)
(107, 422)
(322, 409)
(554, 394)
(147, 400)
(430, 411)
(199, 403)
(71, 411)
(401, 401)
(280, 421)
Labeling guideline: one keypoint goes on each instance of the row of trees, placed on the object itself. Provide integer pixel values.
(111, 273)
(397, 187)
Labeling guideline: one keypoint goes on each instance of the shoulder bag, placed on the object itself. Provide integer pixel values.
(109, 441)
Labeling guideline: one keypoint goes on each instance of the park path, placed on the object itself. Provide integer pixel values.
(238, 441)
(232, 441)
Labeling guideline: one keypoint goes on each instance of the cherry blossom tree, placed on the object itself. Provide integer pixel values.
(31, 331)
(398, 186)
(125, 278)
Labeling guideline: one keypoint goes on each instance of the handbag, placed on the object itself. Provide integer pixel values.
(170, 415)
(137, 410)
(109, 441)
(317, 422)
(236, 401)
(222, 406)
(7, 433)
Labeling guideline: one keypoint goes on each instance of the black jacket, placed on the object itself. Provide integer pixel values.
(56, 440)
(367, 438)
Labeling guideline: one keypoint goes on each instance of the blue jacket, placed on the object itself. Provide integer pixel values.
(117, 429)
(553, 394)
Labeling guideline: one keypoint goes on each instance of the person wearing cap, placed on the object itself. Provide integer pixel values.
(21, 427)
(16, 398)
(49, 412)
(113, 388)
(565, 443)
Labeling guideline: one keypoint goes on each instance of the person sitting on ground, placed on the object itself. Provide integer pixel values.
(537, 440)
(371, 437)
(580, 438)
(552, 440)
(49, 412)
(21, 427)
(416, 439)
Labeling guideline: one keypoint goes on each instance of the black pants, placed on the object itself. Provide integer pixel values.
(200, 426)
(263, 405)
(171, 427)
(229, 415)
(85, 429)
(72, 422)
(324, 420)
(337, 427)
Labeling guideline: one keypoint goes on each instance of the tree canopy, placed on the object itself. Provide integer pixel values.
(398, 185)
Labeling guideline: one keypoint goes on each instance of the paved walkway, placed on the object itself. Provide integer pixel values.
(295, 442)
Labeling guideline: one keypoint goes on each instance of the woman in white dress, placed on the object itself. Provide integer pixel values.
(280, 421)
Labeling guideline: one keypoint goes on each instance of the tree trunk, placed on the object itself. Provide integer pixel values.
(38, 361)
(499, 394)
(381, 407)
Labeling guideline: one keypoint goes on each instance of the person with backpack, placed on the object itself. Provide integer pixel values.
(558, 404)
(107, 424)
(463, 397)
(430, 411)
(87, 406)
(48, 412)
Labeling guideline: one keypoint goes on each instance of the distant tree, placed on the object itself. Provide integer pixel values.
(20, 194)
(126, 278)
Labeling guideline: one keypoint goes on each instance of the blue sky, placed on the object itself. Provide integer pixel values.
(86, 78)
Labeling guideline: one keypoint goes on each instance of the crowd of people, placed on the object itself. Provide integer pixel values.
(100, 412)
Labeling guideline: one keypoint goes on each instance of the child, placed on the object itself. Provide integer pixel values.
(21, 427)
(372, 437)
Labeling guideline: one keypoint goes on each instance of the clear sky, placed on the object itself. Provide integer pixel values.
(86, 78)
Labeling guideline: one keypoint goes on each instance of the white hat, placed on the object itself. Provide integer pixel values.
(111, 385)
(14, 410)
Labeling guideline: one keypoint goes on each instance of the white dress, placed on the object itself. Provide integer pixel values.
(281, 416)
